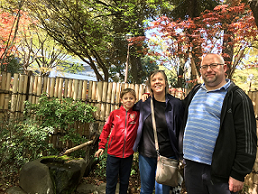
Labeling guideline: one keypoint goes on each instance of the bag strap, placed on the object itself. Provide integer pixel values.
(154, 127)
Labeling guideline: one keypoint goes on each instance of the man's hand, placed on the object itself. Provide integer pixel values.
(235, 185)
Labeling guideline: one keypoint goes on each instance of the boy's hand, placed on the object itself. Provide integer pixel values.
(98, 153)
(145, 97)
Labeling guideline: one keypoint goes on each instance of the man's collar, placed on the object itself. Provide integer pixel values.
(225, 87)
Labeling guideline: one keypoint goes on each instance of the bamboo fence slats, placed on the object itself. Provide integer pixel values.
(117, 96)
(108, 100)
(44, 87)
(66, 88)
(34, 91)
(254, 98)
(69, 93)
(14, 96)
(104, 99)
(39, 88)
(113, 95)
(31, 88)
(3, 86)
(7, 89)
(84, 90)
(60, 88)
(105, 96)
(90, 91)
(24, 91)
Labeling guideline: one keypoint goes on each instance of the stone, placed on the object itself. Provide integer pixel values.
(52, 175)
(15, 190)
(66, 174)
(88, 188)
(35, 178)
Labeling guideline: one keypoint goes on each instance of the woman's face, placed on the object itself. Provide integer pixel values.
(158, 83)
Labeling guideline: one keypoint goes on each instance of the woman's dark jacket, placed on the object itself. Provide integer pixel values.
(235, 149)
(174, 114)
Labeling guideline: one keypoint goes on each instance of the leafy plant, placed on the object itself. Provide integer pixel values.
(61, 114)
(21, 142)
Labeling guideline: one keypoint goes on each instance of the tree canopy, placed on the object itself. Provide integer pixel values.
(227, 30)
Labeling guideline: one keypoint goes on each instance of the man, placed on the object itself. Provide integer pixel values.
(219, 140)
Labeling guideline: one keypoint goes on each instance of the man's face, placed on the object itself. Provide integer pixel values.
(213, 76)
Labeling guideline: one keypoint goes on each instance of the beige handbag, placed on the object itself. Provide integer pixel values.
(167, 172)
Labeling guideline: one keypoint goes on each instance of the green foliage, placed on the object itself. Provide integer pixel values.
(24, 140)
(21, 142)
(135, 166)
(244, 190)
(246, 78)
(12, 65)
(62, 114)
(100, 169)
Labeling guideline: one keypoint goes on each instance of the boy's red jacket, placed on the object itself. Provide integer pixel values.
(123, 126)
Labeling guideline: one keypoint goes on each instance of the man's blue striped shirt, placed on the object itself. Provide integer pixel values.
(203, 124)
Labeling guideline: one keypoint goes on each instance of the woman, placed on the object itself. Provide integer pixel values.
(168, 115)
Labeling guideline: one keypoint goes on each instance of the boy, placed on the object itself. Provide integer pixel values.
(124, 123)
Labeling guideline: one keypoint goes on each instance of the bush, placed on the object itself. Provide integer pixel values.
(25, 140)
(61, 114)
(21, 142)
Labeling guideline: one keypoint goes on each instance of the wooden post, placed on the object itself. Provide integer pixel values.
(51, 87)
(79, 97)
(24, 91)
(56, 87)
(66, 88)
(39, 89)
(69, 95)
(34, 92)
(113, 96)
(32, 78)
(117, 97)
(75, 86)
(84, 90)
(7, 90)
(108, 100)
(60, 88)
(103, 101)
(14, 96)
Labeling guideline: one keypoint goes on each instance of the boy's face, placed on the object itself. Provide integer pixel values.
(128, 100)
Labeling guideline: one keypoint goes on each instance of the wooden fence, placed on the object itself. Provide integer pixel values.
(254, 97)
(103, 95)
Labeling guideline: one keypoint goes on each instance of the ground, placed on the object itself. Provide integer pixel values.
(134, 182)
(6, 183)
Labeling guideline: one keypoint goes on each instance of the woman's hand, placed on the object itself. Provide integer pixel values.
(98, 153)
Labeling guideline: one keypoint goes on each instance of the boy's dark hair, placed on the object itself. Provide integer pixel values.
(128, 90)
(148, 83)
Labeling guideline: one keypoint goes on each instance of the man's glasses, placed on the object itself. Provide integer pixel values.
(212, 66)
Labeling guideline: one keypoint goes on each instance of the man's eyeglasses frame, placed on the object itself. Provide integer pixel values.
(212, 66)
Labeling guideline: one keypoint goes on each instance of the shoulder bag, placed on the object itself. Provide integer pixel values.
(167, 171)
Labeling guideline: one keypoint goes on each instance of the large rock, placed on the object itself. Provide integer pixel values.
(66, 174)
(35, 178)
(51, 175)
(15, 190)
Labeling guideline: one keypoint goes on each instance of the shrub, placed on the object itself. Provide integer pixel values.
(24, 140)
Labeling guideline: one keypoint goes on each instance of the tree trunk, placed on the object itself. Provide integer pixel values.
(254, 8)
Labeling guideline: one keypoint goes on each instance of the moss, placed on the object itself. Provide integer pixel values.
(64, 157)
